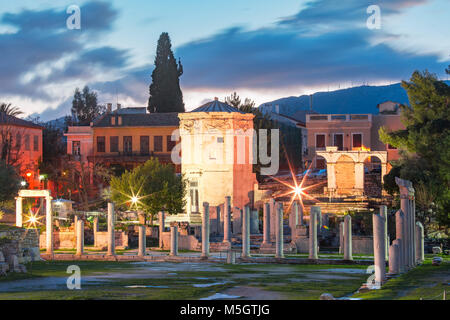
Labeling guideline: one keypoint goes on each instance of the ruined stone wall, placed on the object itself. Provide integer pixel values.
(21, 242)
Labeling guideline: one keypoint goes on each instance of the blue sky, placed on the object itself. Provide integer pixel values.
(262, 49)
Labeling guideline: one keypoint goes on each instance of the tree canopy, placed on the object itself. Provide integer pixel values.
(165, 91)
(9, 181)
(151, 187)
(85, 107)
(424, 143)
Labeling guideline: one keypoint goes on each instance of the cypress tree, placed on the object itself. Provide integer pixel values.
(165, 92)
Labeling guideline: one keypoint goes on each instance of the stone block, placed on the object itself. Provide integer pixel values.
(436, 250)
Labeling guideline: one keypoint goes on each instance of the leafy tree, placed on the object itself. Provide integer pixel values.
(155, 186)
(8, 133)
(9, 182)
(165, 91)
(10, 110)
(85, 107)
(425, 143)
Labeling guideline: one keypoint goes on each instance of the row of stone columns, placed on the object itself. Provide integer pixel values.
(407, 249)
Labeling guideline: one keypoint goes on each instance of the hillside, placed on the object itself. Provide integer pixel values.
(362, 99)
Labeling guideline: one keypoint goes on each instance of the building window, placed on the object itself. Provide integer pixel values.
(27, 142)
(18, 141)
(128, 144)
(35, 143)
(193, 194)
(76, 148)
(357, 140)
(321, 163)
(145, 145)
(170, 144)
(391, 147)
(339, 141)
(100, 144)
(320, 141)
(114, 144)
(158, 144)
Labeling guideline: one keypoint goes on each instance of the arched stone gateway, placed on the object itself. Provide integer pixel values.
(345, 169)
(48, 209)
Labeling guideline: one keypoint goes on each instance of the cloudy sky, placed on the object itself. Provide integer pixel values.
(262, 49)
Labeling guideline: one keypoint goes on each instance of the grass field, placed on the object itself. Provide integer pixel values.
(139, 280)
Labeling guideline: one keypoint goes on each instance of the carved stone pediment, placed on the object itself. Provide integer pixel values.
(217, 124)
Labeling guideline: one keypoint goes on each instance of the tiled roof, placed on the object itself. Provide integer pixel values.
(10, 120)
(216, 106)
(131, 110)
(140, 120)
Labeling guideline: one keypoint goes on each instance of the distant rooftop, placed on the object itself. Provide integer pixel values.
(139, 120)
(11, 120)
(131, 110)
(216, 106)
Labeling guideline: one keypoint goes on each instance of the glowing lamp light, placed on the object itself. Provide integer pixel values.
(28, 174)
(298, 190)
(33, 220)
(23, 183)
(134, 200)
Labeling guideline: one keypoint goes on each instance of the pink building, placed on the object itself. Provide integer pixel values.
(21, 147)
(351, 132)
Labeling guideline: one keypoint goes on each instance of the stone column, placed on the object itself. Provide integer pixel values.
(205, 230)
(379, 247)
(162, 221)
(341, 237)
(254, 222)
(173, 240)
(19, 212)
(404, 205)
(383, 171)
(315, 211)
(348, 254)
(95, 229)
(279, 241)
(76, 218)
(293, 218)
(142, 241)
(246, 232)
(400, 235)
(383, 213)
(266, 223)
(413, 227)
(394, 258)
(331, 175)
(300, 219)
(111, 233)
(49, 224)
(80, 237)
(273, 213)
(420, 252)
(218, 222)
(231, 257)
(359, 175)
(227, 220)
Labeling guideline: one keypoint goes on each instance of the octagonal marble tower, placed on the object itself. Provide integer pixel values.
(217, 156)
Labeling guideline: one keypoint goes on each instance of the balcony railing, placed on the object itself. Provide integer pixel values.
(338, 117)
